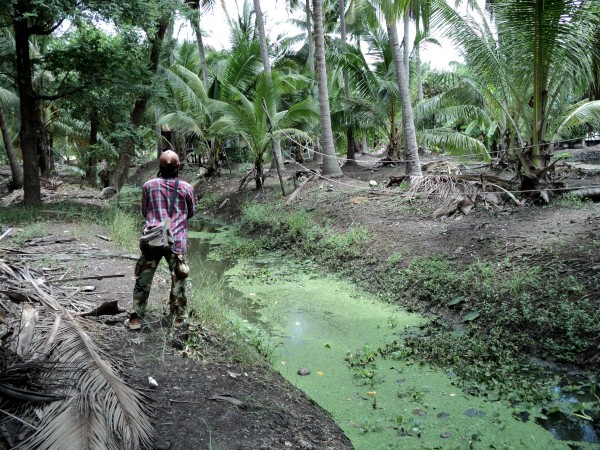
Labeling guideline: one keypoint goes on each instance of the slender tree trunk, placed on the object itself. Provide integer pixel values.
(392, 149)
(411, 149)
(350, 155)
(264, 51)
(127, 147)
(259, 178)
(92, 160)
(406, 53)
(342, 13)
(198, 32)
(419, 69)
(264, 54)
(309, 39)
(46, 159)
(330, 164)
(540, 97)
(13, 160)
(169, 40)
(158, 134)
(28, 134)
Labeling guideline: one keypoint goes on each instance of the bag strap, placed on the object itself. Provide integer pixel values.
(173, 198)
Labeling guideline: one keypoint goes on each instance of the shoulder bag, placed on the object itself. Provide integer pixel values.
(160, 238)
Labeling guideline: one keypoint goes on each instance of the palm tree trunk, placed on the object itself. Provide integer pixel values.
(350, 155)
(392, 148)
(330, 163)
(309, 40)
(158, 134)
(198, 32)
(15, 167)
(419, 69)
(406, 53)
(411, 150)
(264, 51)
(92, 160)
(264, 54)
(46, 160)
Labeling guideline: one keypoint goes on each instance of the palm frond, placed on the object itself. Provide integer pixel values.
(588, 113)
(100, 411)
(453, 142)
(8, 98)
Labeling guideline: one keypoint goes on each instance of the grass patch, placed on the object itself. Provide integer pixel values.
(540, 310)
(34, 221)
(236, 340)
(298, 231)
(573, 202)
(207, 201)
(124, 229)
(495, 315)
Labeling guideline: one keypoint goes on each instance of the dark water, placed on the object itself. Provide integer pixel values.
(562, 422)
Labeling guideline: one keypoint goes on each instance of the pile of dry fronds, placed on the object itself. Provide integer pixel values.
(58, 388)
(457, 192)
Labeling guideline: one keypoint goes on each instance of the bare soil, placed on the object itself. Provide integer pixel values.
(216, 403)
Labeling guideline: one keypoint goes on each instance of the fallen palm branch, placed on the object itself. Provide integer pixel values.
(49, 354)
(294, 195)
(589, 193)
(455, 192)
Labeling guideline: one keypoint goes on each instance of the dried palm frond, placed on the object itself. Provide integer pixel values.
(451, 192)
(99, 410)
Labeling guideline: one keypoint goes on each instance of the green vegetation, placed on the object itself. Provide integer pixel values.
(360, 369)
(208, 201)
(239, 341)
(492, 316)
(124, 229)
(573, 201)
(297, 231)
(229, 338)
(35, 221)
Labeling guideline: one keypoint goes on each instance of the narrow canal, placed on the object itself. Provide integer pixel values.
(324, 335)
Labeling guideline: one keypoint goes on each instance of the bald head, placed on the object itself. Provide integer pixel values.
(168, 158)
(168, 164)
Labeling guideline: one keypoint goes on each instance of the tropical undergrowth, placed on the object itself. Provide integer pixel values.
(488, 318)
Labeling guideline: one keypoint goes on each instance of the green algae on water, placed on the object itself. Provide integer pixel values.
(321, 323)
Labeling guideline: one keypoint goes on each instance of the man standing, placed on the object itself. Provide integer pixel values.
(157, 195)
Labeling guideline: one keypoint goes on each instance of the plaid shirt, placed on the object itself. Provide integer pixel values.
(156, 196)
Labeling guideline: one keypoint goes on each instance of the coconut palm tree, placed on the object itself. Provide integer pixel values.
(533, 58)
(392, 10)
(245, 117)
(374, 103)
(194, 12)
(9, 102)
(184, 101)
(10, 98)
(264, 54)
(330, 164)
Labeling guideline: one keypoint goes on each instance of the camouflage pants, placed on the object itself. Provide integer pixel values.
(144, 274)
